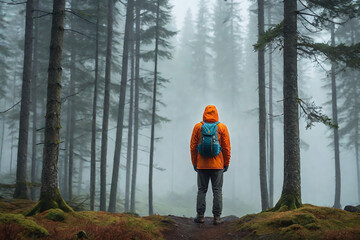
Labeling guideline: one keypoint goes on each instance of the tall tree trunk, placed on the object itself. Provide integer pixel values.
(136, 109)
(151, 161)
(271, 122)
(34, 103)
(105, 123)
(130, 129)
(356, 143)
(65, 189)
(72, 123)
(12, 133)
(21, 189)
(291, 192)
(49, 194)
(336, 130)
(234, 79)
(120, 121)
(80, 178)
(262, 112)
(2, 137)
(93, 124)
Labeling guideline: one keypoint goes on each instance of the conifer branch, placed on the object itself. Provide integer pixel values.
(313, 114)
(269, 36)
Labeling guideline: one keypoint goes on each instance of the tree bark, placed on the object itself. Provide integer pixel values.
(262, 112)
(49, 194)
(65, 189)
(357, 162)
(356, 142)
(151, 161)
(93, 124)
(130, 128)
(336, 130)
(120, 121)
(34, 103)
(80, 175)
(105, 123)
(72, 123)
(11, 132)
(2, 137)
(21, 189)
(291, 192)
(136, 109)
(271, 122)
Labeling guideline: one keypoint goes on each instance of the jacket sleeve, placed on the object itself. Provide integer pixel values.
(193, 144)
(225, 146)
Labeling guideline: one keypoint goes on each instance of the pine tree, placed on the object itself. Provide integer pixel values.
(291, 194)
(226, 48)
(200, 53)
(105, 123)
(21, 190)
(50, 195)
(138, 6)
(120, 120)
(349, 88)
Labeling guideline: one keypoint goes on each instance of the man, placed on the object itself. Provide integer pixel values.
(210, 155)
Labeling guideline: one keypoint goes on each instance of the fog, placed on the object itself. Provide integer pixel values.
(175, 181)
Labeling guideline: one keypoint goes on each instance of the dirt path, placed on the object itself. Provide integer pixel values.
(185, 228)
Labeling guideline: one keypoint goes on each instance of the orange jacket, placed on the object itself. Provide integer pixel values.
(221, 160)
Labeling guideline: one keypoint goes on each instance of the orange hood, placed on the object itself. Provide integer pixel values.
(210, 114)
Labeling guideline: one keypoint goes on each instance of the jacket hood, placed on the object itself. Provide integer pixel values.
(210, 114)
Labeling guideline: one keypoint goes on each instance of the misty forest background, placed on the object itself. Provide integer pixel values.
(107, 101)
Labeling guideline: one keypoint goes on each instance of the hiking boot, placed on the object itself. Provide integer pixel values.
(217, 220)
(199, 219)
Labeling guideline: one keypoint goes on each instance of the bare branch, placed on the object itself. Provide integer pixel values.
(78, 15)
(13, 2)
(71, 30)
(11, 107)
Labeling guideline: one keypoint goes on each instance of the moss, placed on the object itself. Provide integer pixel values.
(56, 215)
(47, 202)
(307, 222)
(30, 227)
(312, 226)
(287, 202)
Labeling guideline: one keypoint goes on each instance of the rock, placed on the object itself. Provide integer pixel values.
(56, 215)
(350, 208)
(81, 235)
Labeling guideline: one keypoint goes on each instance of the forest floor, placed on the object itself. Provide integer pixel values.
(308, 222)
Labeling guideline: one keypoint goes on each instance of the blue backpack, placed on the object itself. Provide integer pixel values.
(209, 144)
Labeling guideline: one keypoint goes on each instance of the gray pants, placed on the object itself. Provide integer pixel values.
(216, 176)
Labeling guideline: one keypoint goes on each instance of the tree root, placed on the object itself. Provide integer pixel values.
(287, 202)
(47, 202)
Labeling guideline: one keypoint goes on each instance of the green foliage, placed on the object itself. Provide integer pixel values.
(349, 55)
(313, 114)
(272, 34)
(326, 10)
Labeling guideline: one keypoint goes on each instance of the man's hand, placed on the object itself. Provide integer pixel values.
(226, 168)
(195, 168)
